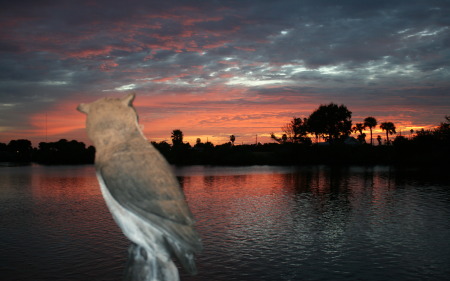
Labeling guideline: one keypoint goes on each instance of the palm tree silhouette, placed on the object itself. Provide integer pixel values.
(177, 137)
(370, 122)
(359, 127)
(389, 127)
(232, 139)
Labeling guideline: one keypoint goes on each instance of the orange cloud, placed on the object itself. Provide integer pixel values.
(165, 79)
(108, 65)
(248, 49)
(194, 20)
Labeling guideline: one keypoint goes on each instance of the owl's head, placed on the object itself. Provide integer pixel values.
(110, 120)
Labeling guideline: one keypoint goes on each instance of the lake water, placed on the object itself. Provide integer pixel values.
(257, 223)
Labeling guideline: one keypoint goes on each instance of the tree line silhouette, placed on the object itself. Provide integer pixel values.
(298, 145)
(49, 153)
(333, 124)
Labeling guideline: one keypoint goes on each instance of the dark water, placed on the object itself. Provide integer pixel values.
(257, 223)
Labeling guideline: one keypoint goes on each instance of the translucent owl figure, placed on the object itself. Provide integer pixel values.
(141, 192)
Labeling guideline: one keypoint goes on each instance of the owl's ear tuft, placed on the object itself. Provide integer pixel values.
(84, 108)
(128, 99)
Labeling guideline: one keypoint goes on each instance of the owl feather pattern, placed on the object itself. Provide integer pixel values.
(140, 190)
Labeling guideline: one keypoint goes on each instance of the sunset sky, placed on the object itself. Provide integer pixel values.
(215, 68)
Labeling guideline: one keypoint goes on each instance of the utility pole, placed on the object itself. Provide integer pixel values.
(46, 127)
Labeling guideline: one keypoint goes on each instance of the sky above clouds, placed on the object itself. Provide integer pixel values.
(216, 68)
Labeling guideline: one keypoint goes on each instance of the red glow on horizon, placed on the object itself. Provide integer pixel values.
(62, 121)
(213, 117)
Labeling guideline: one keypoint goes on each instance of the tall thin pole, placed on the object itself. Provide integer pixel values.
(46, 127)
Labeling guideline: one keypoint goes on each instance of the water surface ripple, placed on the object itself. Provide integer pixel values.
(257, 223)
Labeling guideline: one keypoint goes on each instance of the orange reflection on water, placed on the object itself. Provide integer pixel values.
(237, 206)
(67, 201)
(62, 183)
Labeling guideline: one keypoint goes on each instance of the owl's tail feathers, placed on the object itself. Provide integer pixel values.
(185, 257)
(144, 266)
(183, 247)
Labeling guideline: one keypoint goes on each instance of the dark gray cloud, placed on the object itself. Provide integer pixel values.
(362, 53)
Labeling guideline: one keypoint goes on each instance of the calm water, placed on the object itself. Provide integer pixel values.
(257, 223)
